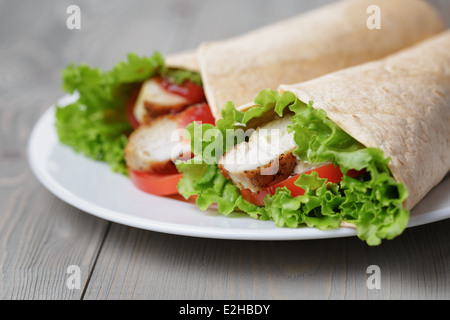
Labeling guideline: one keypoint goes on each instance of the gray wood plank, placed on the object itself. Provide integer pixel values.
(40, 236)
(137, 264)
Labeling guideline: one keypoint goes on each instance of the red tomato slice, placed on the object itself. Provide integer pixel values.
(330, 172)
(188, 90)
(200, 112)
(157, 184)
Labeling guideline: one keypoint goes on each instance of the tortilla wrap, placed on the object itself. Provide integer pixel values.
(312, 44)
(400, 104)
(183, 60)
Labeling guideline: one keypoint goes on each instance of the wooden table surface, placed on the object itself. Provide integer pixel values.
(41, 236)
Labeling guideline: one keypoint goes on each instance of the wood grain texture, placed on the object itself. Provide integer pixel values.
(40, 236)
(139, 264)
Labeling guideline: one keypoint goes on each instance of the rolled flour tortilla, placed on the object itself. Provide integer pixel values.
(400, 104)
(183, 60)
(312, 44)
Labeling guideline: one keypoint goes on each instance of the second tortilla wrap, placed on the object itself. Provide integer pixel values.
(184, 60)
(400, 104)
(310, 45)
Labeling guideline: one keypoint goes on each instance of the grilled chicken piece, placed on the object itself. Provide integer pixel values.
(154, 101)
(265, 159)
(154, 147)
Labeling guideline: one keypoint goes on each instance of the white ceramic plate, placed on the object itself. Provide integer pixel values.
(93, 188)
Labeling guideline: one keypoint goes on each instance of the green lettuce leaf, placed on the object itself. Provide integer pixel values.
(96, 125)
(373, 202)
